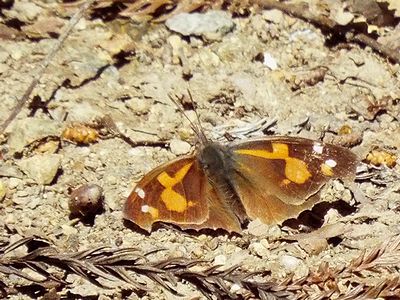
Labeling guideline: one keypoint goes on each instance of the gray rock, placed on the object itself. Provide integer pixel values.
(10, 171)
(28, 130)
(13, 183)
(25, 11)
(3, 68)
(42, 168)
(3, 190)
(3, 55)
(83, 112)
(212, 25)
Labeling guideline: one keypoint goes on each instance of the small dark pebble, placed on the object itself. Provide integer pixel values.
(86, 200)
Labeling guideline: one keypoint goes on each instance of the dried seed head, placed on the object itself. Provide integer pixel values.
(380, 157)
(80, 134)
(86, 200)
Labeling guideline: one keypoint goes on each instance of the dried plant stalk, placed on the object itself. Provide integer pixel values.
(130, 266)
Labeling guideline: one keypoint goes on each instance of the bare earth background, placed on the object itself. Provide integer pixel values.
(126, 71)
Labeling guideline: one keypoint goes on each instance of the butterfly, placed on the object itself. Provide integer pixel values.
(221, 186)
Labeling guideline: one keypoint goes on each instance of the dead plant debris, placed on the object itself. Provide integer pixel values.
(130, 265)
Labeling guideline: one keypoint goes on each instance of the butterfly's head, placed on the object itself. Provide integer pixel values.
(213, 157)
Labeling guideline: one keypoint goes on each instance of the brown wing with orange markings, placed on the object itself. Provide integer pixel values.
(174, 192)
(278, 178)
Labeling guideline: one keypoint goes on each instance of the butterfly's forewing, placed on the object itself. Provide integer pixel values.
(174, 192)
(277, 178)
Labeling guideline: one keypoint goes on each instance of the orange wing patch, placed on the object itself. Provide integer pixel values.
(326, 170)
(295, 169)
(173, 200)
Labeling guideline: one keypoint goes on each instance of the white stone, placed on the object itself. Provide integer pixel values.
(235, 288)
(260, 249)
(270, 61)
(179, 147)
(290, 263)
(220, 260)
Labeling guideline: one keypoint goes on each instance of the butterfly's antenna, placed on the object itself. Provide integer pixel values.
(202, 137)
(197, 130)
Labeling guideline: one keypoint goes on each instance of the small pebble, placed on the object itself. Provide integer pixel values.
(10, 171)
(3, 190)
(3, 68)
(17, 54)
(27, 10)
(290, 263)
(179, 147)
(273, 15)
(235, 288)
(259, 249)
(258, 228)
(20, 200)
(13, 183)
(3, 56)
(68, 230)
(81, 25)
(22, 193)
(270, 61)
(33, 203)
(220, 260)
(211, 25)
(112, 180)
(138, 106)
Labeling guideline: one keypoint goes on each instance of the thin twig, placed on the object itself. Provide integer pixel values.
(382, 49)
(302, 12)
(108, 123)
(46, 61)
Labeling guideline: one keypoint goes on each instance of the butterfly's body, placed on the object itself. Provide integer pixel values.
(219, 186)
(218, 164)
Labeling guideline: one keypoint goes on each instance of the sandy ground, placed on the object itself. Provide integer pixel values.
(127, 72)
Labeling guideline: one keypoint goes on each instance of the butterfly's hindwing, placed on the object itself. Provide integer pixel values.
(279, 177)
(220, 216)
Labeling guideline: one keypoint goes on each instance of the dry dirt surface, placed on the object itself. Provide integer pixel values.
(264, 73)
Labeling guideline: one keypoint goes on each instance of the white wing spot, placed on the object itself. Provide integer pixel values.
(145, 208)
(331, 163)
(140, 192)
(318, 148)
